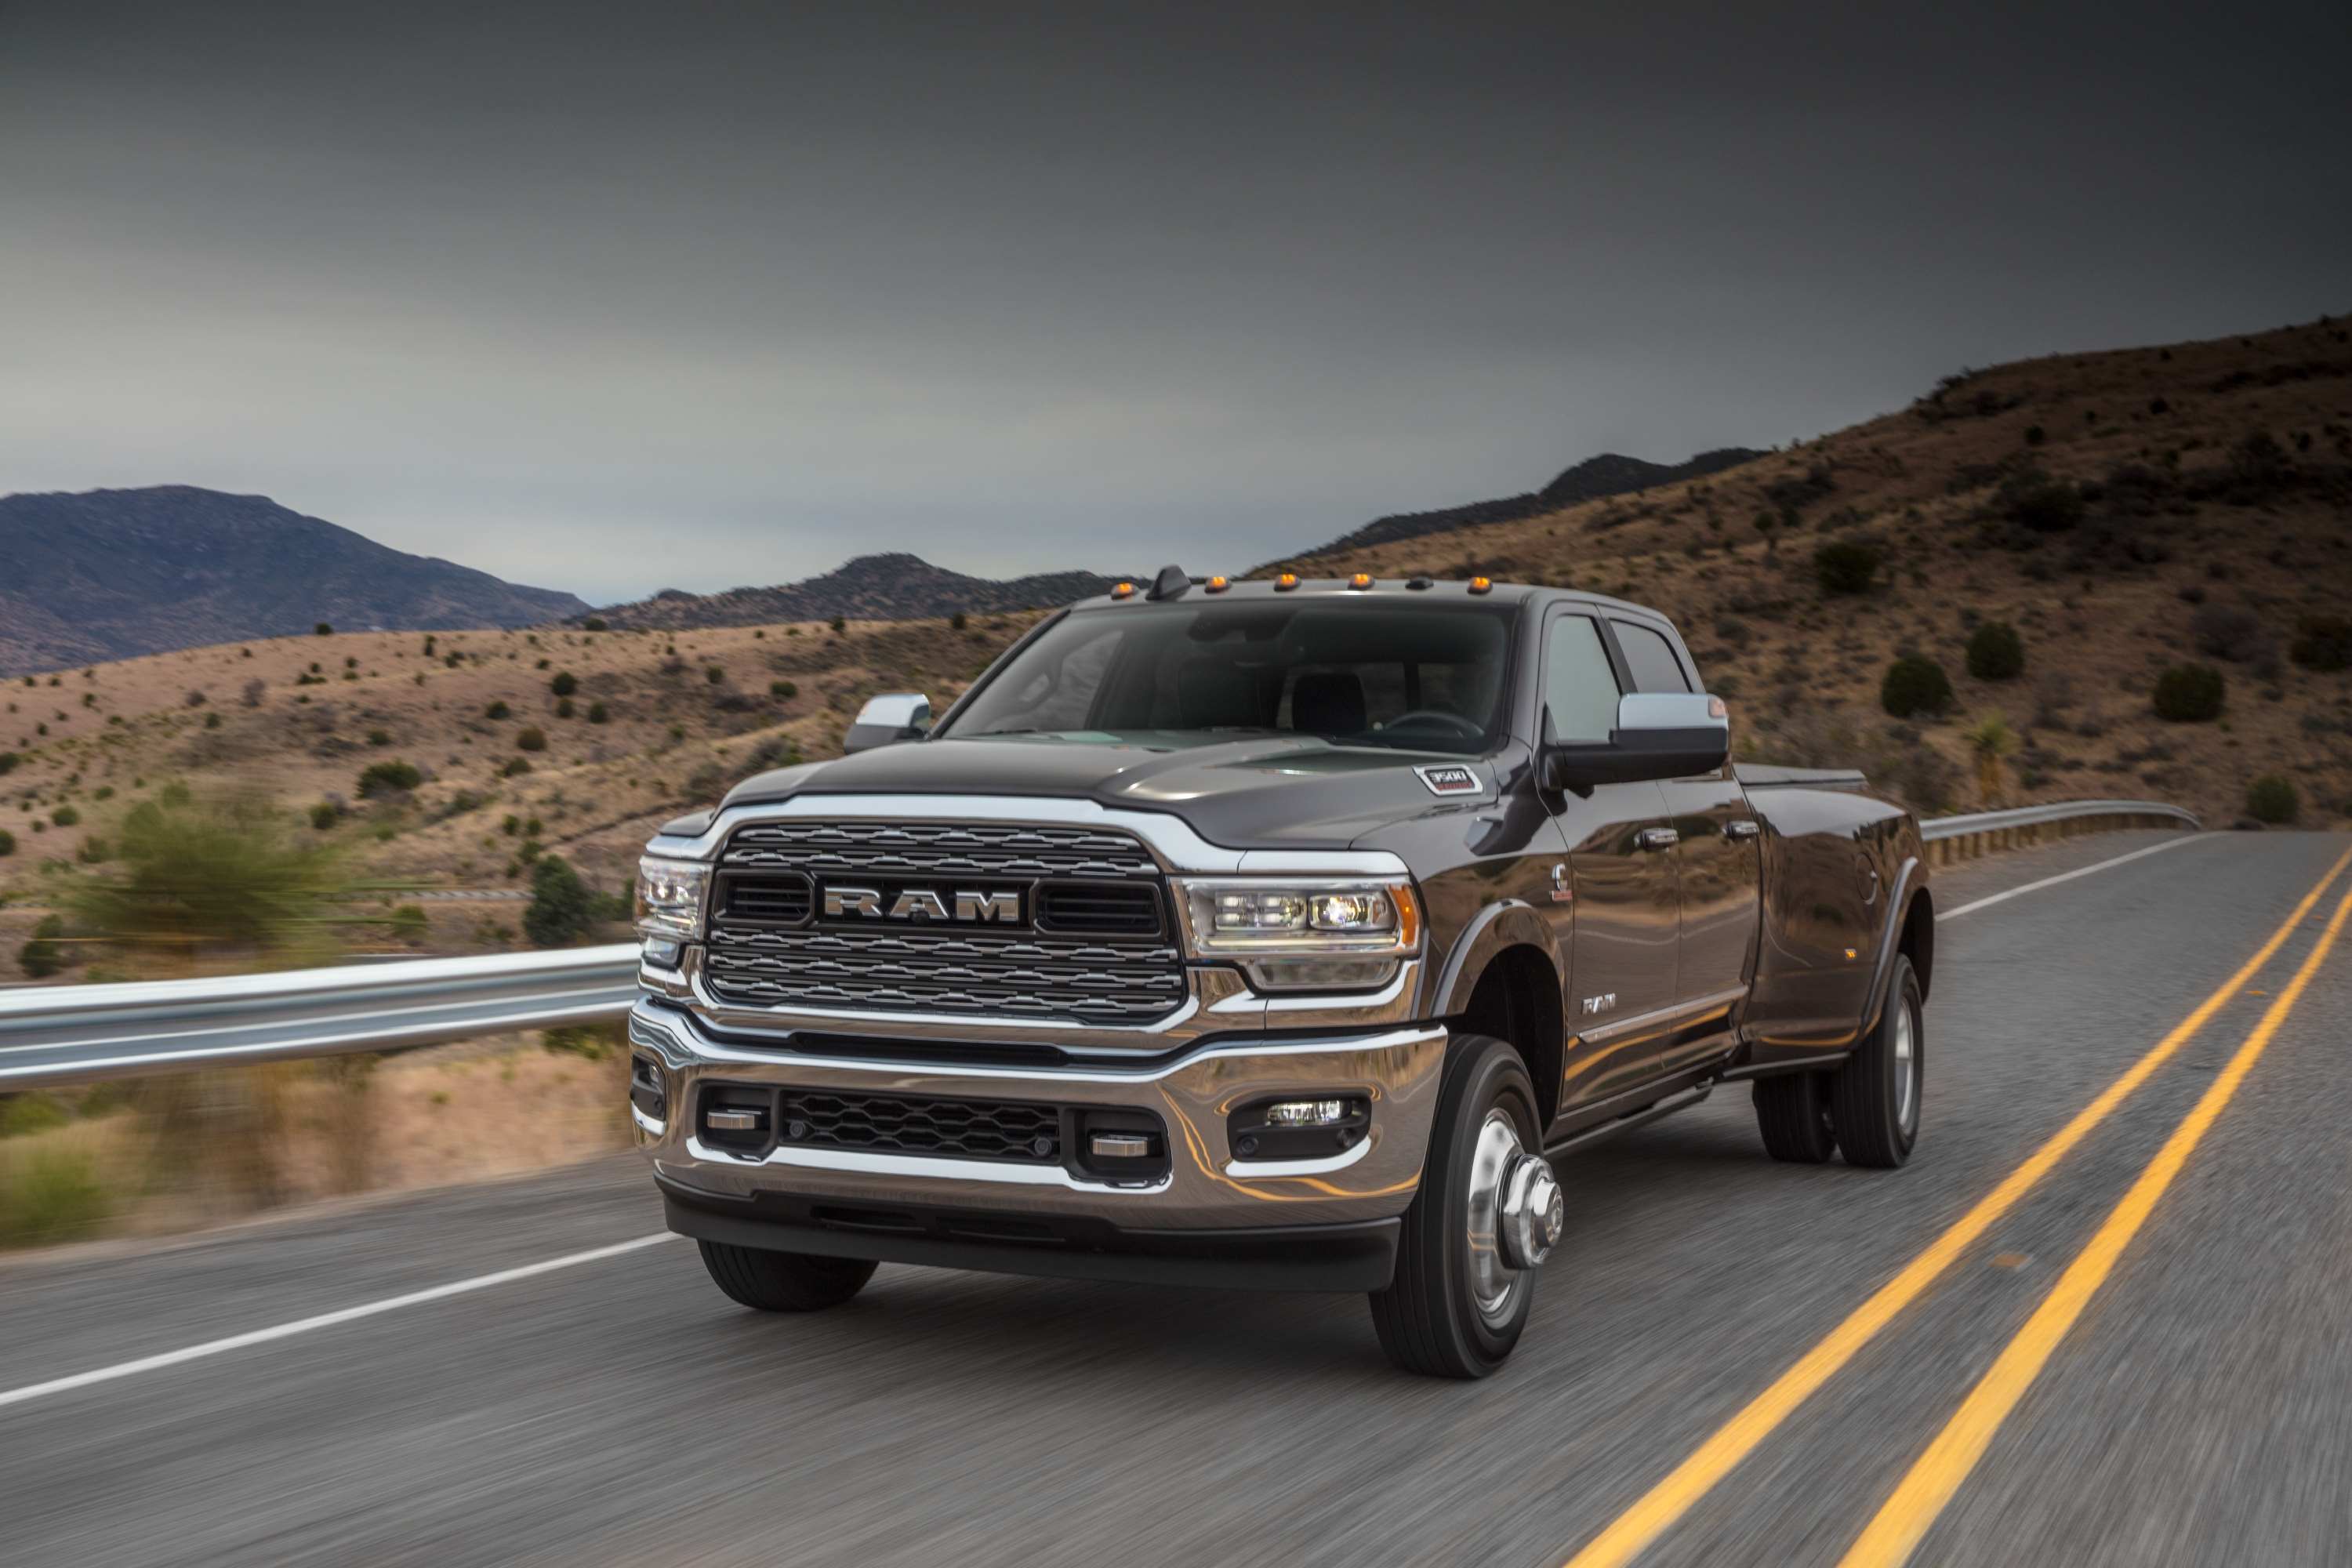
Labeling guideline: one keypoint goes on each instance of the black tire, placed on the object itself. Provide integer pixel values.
(1877, 1121)
(784, 1281)
(1792, 1111)
(1428, 1319)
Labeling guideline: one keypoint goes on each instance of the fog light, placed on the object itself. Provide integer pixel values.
(661, 952)
(1306, 1114)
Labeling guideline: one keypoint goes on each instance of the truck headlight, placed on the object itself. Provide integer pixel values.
(1302, 935)
(670, 897)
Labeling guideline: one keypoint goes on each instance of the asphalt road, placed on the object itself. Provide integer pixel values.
(620, 1410)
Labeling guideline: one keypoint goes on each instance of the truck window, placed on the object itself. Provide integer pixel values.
(1580, 687)
(1651, 660)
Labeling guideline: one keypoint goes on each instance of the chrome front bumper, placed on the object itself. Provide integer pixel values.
(1396, 1068)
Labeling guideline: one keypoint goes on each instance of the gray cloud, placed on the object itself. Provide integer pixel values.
(614, 296)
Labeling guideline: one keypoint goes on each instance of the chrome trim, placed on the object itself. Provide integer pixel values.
(1397, 1071)
(922, 1167)
(1170, 839)
(1658, 837)
(1659, 1017)
(647, 1124)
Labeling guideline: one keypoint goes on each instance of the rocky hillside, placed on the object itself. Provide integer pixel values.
(106, 574)
(1609, 474)
(2060, 539)
(890, 588)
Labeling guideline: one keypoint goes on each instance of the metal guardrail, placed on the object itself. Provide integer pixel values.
(1951, 838)
(54, 1034)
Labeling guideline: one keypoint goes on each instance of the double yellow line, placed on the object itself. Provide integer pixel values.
(1922, 1494)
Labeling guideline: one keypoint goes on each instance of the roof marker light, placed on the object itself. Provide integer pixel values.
(1123, 591)
(1284, 582)
(1481, 585)
(1360, 581)
(1217, 585)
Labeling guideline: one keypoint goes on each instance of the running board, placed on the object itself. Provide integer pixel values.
(1626, 1123)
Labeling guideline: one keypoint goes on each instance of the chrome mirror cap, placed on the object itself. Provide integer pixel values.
(1672, 710)
(893, 716)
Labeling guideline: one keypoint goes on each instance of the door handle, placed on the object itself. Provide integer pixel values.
(1657, 838)
(1740, 828)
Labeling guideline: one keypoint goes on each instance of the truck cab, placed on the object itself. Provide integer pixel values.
(1280, 934)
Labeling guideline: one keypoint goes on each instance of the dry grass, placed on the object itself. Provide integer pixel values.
(172, 1154)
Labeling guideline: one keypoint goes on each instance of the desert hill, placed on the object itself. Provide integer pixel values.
(108, 575)
(1606, 474)
(2126, 513)
(887, 587)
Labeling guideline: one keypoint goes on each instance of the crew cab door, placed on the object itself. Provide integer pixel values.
(1717, 863)
(1622, 953)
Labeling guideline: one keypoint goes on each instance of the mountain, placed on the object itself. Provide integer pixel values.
(1609, 474)
(892, 587)
(108, 575)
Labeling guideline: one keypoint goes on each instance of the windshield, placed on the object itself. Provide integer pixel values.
(1357, 674)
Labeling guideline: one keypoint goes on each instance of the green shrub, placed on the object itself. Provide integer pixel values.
(596, 713)
(1915, 684)
(532, 738)
(322, 816)
(714, 675)
(563, 709)
(2043, 504)
(785, 689)
(2321, 642)
(497, 710)
(222, 871)
(2272, 798)
(7, 842)
(593, 623)
(2189, 694)
(388, 778)
(44, 955)
(515, 767)
(837, 623)
(23, 1114)
(1995, 653)
(323, 629)
(407, 923)
(50, 1194)
(9, 760)
(564, 684)
(379, 737)
(955, 621)
(561, 908)
(65, 816)
(1846, 566)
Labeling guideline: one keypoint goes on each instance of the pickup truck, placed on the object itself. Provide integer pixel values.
(1279, 934)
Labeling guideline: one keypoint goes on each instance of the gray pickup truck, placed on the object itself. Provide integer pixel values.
(1275, 935)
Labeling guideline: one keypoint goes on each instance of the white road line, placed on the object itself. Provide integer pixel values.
(323, 1321)
(2070, 876)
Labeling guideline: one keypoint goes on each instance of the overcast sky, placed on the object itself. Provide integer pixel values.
(613, 297)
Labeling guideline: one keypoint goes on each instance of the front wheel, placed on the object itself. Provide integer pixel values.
(1875, 1098)
(783, 1281)
(1488, 1212)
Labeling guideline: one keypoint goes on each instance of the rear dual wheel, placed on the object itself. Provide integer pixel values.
(1869, 1107)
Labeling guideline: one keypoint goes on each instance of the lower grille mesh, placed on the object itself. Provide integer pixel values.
(905, 1124)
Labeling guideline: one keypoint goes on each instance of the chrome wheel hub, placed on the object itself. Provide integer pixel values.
(1515, 1216)
(1906, 1066)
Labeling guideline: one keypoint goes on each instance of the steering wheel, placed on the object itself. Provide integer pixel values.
(1434, 718)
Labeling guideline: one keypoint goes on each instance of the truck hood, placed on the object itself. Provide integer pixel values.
(1259, 792)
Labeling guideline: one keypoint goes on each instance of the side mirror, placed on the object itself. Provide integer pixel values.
(895, 716)
(1659, 735)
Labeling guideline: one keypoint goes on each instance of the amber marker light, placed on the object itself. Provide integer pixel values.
(1124, 591)
(1360, 581)
(1218, 584)
(1481, 585)
(1285, 581)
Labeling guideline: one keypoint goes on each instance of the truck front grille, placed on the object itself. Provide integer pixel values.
(993, 920)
